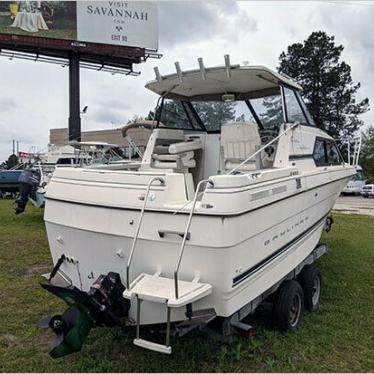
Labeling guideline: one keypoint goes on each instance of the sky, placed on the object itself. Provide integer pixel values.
(34, 95)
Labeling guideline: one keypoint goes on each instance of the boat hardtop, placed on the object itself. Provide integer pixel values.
(211, 83)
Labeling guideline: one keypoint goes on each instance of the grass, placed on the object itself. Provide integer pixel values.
(337, 338)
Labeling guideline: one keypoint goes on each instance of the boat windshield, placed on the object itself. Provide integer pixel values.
(211, 115)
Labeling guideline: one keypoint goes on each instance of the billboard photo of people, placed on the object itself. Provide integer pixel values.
(48, 19)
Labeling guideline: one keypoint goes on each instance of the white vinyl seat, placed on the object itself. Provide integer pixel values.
(178, 155)
(239, 140)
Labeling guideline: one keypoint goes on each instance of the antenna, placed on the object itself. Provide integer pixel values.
(179, 71)
(228, 66)
(202, 68)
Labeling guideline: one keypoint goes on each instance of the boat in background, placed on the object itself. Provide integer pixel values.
(9, 181)
(356, 183)
(34, 179)
(354, 186)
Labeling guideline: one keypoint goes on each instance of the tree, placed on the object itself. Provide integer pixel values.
(273, 115)
(12, 161)
(329, 90)
(367, 154)
(213, 114)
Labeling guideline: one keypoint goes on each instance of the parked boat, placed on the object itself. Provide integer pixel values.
(229, 200)
(36, 176)
(9, 181)
(355, 184)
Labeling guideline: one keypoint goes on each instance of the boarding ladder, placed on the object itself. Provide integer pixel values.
(173, 293)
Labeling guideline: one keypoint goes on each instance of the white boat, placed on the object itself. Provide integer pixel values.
(355, 184)
(230, 198)
(37, 175)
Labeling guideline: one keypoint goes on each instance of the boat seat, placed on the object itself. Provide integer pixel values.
(173, 157)
(178, 156)
(176, 162)
(239, 140)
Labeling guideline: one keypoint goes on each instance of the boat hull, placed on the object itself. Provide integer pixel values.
(241, 255)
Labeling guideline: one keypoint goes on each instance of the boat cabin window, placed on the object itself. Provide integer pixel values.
(333, 156)
(65, 161)
(319, 153)
(305, 110)
(326, 153)
(293, 109)
(359, 176)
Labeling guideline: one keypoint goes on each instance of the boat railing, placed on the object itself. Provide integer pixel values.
(150, 183)
(263, 147)
(186, 233)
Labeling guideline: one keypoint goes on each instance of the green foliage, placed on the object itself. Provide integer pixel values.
(337, 338)
(367, 154)
(272, 117)
(215, 113)
(12, 161)
(173, 115)
(329, 90)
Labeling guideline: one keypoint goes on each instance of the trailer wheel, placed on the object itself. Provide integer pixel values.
(288, 305)
(311, 282)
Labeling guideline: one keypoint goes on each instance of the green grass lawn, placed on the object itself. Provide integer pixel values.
(339, 337)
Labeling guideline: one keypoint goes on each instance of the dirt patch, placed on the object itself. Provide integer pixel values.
(37, 270)
(8, 341)
(30, 271)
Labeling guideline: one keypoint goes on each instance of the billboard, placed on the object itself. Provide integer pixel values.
(119, 23)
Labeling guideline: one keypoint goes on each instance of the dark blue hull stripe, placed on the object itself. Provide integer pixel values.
(246, 274)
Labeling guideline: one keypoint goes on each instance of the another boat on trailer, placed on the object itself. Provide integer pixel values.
(226, 207)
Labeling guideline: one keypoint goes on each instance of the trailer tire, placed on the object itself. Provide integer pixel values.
(311, 283)
(288, 305)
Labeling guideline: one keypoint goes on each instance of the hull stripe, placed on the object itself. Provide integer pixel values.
(249, 272)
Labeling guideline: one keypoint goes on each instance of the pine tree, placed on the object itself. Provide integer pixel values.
(329, 90)
(215, 113)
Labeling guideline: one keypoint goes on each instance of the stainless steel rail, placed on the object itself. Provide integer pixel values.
(155, 179)
(186, 234)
